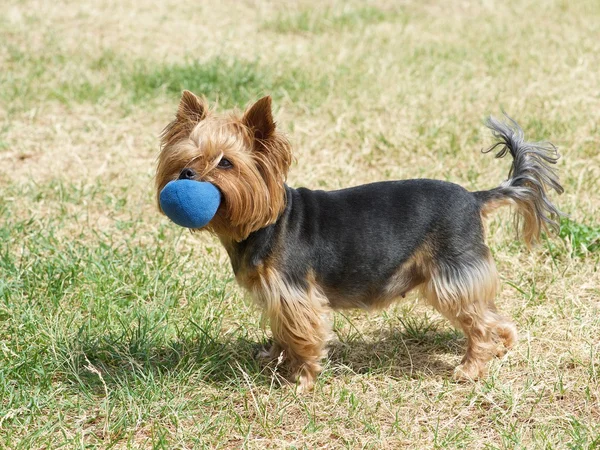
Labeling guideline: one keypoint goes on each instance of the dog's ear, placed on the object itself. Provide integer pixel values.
(259, 119)
(192, 109)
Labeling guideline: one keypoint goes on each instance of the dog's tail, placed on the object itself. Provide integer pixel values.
(529, 180)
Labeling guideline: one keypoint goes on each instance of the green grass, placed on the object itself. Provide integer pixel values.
(108, 78)
(38, 78)
(97, 320)
(231, 83)
(581, 238)
(120, 330)
(322, 20)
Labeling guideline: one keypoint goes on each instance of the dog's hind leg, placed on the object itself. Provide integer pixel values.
(504, 330)
(464, 293)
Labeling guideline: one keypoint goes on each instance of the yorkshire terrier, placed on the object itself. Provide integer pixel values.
(302, 253)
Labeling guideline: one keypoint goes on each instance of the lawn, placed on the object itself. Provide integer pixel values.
(120, 330)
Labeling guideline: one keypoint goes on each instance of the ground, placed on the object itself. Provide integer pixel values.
(120, 330)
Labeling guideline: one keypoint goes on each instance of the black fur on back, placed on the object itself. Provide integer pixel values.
(353, 240)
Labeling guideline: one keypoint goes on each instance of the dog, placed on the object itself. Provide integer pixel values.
(303, 253)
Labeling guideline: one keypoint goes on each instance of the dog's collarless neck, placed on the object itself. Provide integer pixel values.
(253, 253)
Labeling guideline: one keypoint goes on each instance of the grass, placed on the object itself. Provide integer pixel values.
(119, 330)
(581, 238)
(321, 20)
(230, 81)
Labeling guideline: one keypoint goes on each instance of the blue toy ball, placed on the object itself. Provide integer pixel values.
(189, 203)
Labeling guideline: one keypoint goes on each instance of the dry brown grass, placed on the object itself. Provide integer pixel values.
(384, 91)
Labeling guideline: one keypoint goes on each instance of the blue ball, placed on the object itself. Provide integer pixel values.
(189, 203)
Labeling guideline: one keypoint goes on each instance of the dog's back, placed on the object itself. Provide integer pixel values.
(357, 240)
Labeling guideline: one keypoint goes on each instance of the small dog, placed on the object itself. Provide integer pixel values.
(303, 253)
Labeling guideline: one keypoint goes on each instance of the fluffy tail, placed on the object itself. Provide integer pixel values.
(529, 180)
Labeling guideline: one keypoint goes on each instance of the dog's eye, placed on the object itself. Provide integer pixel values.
(225, 164)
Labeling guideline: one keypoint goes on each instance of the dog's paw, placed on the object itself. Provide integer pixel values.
(269, 353)
(305, 376)
(500, 351)
(304, 383)
(468, 372)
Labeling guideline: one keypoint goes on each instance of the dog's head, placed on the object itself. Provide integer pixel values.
(243, 155)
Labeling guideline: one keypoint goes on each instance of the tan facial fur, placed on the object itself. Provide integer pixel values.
(253, 188)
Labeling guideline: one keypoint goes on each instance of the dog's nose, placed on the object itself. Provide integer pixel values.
(187, 174)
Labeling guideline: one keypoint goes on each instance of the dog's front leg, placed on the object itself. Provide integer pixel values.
(301, 326)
